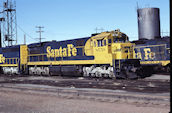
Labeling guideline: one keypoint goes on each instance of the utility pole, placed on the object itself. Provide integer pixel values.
(40, 32)
(1, 19)
(24, 39)
(0, 36)
(0, 45)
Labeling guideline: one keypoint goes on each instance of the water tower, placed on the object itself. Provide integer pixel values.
(148, 23)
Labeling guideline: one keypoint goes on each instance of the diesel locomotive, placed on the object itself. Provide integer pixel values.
(152, 48)
(154, 54)
(106, 54)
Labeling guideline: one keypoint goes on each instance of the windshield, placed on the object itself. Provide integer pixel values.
(122, 38)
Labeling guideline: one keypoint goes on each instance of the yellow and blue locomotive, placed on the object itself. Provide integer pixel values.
(107, 54)
(13, 59)
(154, 54)
(151, 48)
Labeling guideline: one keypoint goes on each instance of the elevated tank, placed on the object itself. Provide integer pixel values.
(148, 23)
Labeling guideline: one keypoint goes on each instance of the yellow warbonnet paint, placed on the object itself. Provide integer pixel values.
(62, 52)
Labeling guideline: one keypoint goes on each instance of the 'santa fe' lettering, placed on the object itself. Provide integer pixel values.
(62, 52)
(148, 54)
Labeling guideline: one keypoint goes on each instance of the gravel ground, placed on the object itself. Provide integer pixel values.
(22, 102)
(141, 85)
(160, 77)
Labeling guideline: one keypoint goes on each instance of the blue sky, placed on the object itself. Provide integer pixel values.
(70, 19)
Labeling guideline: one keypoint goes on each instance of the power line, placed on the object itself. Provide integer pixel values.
(40, 33)
(25, 32)
(14, 22)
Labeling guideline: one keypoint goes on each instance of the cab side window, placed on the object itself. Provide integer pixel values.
(100, 43)
(94, 43)
(109, 41)
(104, 42)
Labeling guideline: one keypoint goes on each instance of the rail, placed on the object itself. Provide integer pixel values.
(93, 94)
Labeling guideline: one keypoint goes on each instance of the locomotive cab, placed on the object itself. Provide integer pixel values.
(115, 49)
(125, 66)
(121, 47)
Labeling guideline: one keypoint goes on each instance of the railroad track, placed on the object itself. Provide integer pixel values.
(142, 91)
(103, 95)
(141, 85)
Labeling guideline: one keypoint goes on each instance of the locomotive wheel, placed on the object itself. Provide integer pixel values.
(121, 75)
(140, 73)
(111, 75)
(92, 75)
(100, 75)
(105, 75)
(97, 74)
(168, 69)
(85, 74)
(131, 75)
